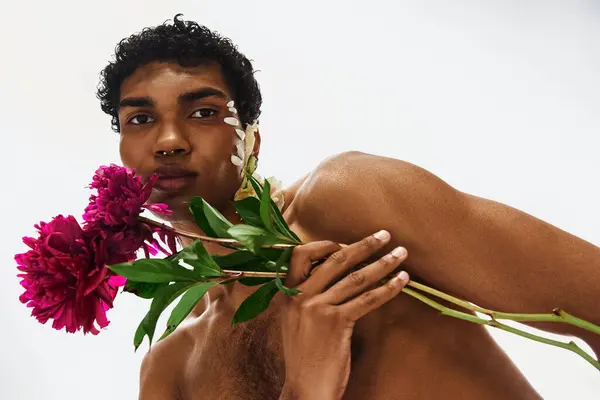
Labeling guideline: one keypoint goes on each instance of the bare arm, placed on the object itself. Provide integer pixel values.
(483, 251)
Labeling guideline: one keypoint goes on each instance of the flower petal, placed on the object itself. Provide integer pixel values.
(236, 160)
(232, 121)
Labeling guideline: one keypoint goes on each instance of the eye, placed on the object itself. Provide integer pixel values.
(203, 113)
(141, 119)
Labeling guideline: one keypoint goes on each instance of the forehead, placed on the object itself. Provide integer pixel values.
(166, 79)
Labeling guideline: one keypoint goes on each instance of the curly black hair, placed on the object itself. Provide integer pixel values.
(189, 44)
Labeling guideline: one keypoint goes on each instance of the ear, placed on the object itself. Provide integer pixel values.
(256, 150)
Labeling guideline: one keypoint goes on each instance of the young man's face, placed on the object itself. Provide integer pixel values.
(180, 111)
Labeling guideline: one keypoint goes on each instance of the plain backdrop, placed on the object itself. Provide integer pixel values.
(500, 99)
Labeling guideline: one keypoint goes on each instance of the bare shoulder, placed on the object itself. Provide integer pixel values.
(348, 180)
(163, 365)
(353, 194)
(347, 173)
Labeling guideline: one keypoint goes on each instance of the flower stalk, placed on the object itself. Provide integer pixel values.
(203, 238)
(495, 324)
(557, 315)
(414, 290)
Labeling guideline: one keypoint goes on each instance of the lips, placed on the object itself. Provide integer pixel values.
(173, 178)
(173, 184)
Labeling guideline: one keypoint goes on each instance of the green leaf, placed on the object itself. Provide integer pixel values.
(234, 259)
(196, 251)
(243, 261)
(144, 290)
(270, 254)
(256, 303)
(154, 270)
(252, 237)
(196, 255)
(209, 219)
(140, 333)
(163, 298)
(265, 209)
(254, 281)
(204, 270)
(186, 305)
(288, 291)
(283, 260)
(249, 210)
(256, 185)
(282, 226)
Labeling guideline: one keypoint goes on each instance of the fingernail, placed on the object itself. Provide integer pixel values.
(382, 235)
(399, 252)
(403, 276)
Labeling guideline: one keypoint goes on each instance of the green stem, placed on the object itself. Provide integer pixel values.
(495, 324)
(569, 346)
(251, 274)
(208, 239)
(558, 315)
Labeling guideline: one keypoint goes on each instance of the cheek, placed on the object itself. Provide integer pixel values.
(219, 154)
(131, 152)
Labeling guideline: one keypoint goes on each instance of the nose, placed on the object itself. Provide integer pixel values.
(171, 141)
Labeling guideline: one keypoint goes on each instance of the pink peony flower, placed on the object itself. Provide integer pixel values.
(62, 280)
(120, 199)
(65, 275)
(113, 212)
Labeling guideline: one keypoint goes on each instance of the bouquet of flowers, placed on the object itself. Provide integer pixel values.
(72, 273)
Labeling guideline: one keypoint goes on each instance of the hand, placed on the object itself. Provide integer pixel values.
(317, 324)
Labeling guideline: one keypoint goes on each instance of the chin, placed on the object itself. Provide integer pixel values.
(177, 203)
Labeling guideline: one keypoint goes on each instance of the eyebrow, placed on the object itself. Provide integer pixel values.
(182, 98)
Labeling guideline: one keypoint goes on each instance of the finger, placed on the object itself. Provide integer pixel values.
(358, 281)
(373, 299)
(304, 256)
(341, 261)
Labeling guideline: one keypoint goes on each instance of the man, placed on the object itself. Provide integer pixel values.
(169, 91)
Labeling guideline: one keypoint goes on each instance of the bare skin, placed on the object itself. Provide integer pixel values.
(483, 251)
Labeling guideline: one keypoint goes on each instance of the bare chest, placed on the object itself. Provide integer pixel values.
(401, 352)
(235, 362)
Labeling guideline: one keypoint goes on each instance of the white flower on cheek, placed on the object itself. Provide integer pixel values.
(237, 159)
(249, 142)
(245, 157)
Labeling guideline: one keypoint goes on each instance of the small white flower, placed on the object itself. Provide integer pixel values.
(240, 150)
(249, 141)
(277, 192)
(249, 166)
(236, 160)
(241, 134)
(232, 121)
(276, 184)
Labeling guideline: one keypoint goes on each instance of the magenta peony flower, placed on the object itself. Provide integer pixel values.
(120, 199)
(65, 275)
(62, 280)
(113, 212)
